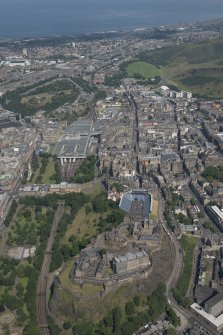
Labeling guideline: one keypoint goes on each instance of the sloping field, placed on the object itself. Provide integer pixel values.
(142, 69)
(196, 67)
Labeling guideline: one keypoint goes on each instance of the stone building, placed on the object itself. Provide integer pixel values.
(131, 262)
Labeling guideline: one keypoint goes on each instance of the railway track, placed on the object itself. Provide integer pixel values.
(43, 276)
(70, 170)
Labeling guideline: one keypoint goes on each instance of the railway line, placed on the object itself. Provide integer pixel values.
(68, 169)
(43, 276)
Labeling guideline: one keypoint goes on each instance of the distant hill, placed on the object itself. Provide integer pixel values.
(197, 67)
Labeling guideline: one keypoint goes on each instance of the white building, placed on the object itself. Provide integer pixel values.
(215, 322)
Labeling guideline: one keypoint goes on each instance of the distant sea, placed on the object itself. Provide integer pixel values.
(34, 18)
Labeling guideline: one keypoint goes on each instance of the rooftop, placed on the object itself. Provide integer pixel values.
(74, 141)
(79, 127)
(130, 256)
(72, 148)
(217, 211)
(135, 199)
(217, 322)
(215, 300)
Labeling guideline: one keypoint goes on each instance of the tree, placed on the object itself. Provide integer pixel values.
(157, 302)
(170, 331)
(119, 187)
(27, 214)
(200, 215)
(38, 209)
(143, 318)
(108, 320)
(32, 237)
(128, 328)
(83, 328)
(114, 80)
(137, 300)
(183, 218)
(100, 95)
(6, 330)
(19, 290)
(102, 252)
(213, 172)
(72, 239)
(193, 201)
(67, 325)
(173, 318)
(86, 171)
(57, 260)
(208, 225)
(117, 317)
(99, 203)
(116, 216)
(10, 301)
(11, 212)
(130, 308)
(88, 209)
(31, 329)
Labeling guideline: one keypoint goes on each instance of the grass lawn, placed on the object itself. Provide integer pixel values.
(82, 225)
(64, 275)
(86, 290)
(50, 171)
(96, 189)
(44, 210)
(32, 180)
(3, 289)
(85, 186)
(42, 99)
(23, 281)
(39, 99)
(144, 69)
(85, 225)
(91, 188)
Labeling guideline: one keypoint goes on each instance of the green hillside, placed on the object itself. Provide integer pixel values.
(142, 70)
(196, 67)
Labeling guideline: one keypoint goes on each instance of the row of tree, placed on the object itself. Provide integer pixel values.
(180, 290)
(11, 212)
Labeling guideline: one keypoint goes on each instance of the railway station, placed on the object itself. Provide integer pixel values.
(74, 142)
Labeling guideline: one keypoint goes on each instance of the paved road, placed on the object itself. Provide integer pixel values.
(181, 312)
(135, 130)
